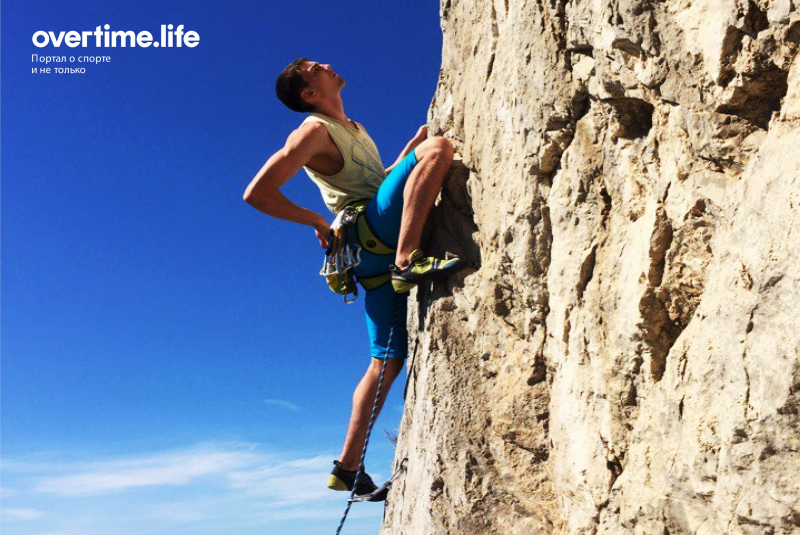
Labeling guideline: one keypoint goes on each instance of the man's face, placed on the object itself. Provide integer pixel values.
(321, 78)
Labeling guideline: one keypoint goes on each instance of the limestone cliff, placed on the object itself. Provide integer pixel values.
(624, 356)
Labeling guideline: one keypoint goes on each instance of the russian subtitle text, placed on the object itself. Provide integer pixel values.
(36, 58)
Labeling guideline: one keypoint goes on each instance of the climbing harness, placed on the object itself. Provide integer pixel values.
(368, 239)
(350, 234)
(361, 466)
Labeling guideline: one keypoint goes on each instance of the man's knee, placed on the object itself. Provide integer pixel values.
(393, 365)
(436, 147)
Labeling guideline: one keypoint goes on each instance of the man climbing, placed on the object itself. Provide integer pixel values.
(344, 163)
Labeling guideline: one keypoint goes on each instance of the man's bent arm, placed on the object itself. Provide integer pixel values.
(263, 192)
(419, 137)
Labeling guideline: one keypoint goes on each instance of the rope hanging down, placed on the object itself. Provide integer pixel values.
(361, 466)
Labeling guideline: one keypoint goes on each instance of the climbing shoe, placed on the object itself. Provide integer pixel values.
(423, 268)
(341, 479)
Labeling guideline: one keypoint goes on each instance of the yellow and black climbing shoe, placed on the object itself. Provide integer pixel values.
(341, 479)
(423, 268)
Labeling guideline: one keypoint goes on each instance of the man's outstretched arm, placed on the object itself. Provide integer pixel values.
(264, 194)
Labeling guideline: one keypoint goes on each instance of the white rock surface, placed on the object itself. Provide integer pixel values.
(624, 355)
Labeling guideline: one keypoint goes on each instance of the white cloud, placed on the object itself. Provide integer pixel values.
(283, 404)
(206, 489)
(22, 514)
(283, 481)
(3, 463)
(180, 513)
(288, 482)
(171, 468)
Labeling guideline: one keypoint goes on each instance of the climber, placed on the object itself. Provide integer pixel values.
(341, 159)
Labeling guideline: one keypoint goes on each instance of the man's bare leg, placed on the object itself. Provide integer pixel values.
(363, 399)
(434, 156)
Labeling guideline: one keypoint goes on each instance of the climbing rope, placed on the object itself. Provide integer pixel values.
(361, 466)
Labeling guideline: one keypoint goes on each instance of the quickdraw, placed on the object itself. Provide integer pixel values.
(350, 235)
(343, 255)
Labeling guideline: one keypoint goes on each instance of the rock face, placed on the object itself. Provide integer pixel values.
(624, 355)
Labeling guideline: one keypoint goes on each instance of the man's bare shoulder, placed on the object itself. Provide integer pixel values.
(309, 132)
(309, 138)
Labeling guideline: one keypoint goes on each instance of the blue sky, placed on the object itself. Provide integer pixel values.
(171, 361)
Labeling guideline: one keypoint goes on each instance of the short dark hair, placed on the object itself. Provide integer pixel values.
(289, 86)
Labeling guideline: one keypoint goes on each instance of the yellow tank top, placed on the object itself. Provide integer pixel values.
(362, 173)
